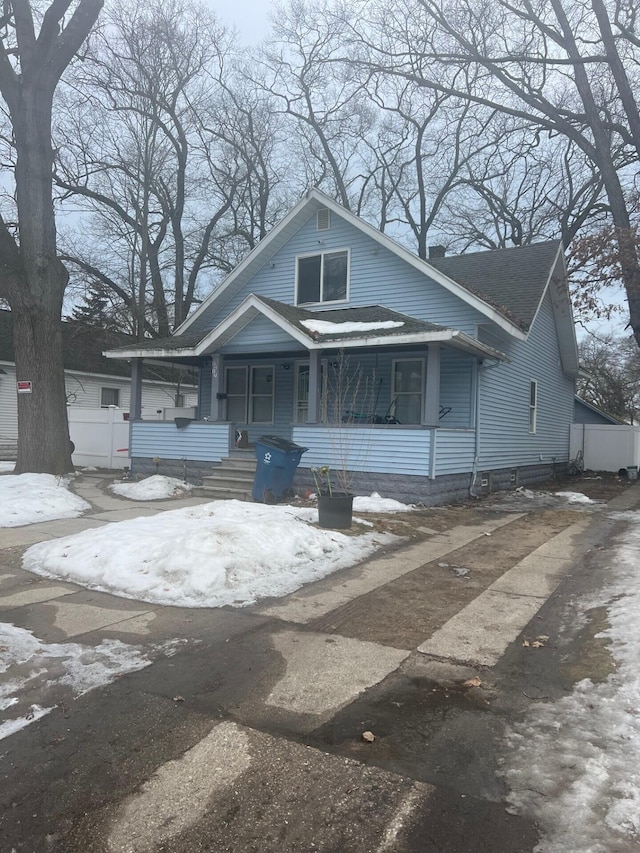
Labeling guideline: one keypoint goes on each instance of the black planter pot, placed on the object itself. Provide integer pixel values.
(335, 512)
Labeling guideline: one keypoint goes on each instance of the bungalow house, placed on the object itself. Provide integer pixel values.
(463, 367)
(90, 380)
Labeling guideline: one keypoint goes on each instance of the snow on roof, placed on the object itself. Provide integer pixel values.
(326, 327)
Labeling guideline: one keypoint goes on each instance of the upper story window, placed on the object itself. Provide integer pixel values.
(322, 278)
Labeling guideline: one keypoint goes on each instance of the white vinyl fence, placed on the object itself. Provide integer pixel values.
(101, 437)
(606, 447)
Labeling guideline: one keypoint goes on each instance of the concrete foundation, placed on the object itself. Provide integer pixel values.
(451, 488)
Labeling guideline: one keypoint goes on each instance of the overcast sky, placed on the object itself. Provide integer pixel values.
(249, 17)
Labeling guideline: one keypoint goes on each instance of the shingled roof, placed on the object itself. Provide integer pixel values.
(512, 280)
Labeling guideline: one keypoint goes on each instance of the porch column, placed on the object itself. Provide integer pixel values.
(431, 415)
(135, 399)
(216, 387)
(313, 411)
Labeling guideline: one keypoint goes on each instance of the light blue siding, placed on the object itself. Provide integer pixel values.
(377, 277)
(202, 442)
(457, 371)
(455, 451)
(261, 335)
(380, 449)
(504, 437)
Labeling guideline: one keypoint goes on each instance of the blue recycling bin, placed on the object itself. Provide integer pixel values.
(277, 460)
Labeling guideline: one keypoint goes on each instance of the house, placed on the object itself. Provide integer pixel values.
(471, 360)
(91, 381)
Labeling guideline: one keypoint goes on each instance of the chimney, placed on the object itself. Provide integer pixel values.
(436, 252)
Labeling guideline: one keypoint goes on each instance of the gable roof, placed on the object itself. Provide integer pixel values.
(507, 302)
(513, 280)
(82, 350)
(370, 326)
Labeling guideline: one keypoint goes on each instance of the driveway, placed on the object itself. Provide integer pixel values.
(364, 712)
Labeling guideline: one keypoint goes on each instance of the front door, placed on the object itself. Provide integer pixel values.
(249, 391)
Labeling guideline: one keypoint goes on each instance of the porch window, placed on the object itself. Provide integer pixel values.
(109, 397)
(533, 405)
(322, 278)
(408, 390)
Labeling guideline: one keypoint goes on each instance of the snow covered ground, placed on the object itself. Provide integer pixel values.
(225, 552)
(31, 669)
(29, 498)
(574, 765)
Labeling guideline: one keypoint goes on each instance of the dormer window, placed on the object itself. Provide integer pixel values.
(322, 278)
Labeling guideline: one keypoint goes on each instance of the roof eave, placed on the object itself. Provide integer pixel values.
(422, 266)
(185, 352)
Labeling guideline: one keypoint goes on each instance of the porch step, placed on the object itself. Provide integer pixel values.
(232, 479)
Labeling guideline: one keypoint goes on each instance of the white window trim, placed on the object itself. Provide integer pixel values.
(533, 407)
(394, 393)
(250, 394)
(322, 253)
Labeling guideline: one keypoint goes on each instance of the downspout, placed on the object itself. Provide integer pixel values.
(476, 452)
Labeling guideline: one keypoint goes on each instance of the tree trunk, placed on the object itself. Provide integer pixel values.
(43, 441)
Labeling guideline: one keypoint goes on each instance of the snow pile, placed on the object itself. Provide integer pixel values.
(374, 503)
(574, 765)
(30, 498)
(6, 467)
(574, 497)
(34, 670)
(153, 488)
(226, 552)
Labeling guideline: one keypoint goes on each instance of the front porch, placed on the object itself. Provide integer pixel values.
(374, 449)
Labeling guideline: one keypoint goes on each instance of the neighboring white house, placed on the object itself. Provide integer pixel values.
(91, 380)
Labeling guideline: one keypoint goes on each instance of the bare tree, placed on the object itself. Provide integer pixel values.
(136, 154)
(567, 69)
(35, 49)
(611, 377)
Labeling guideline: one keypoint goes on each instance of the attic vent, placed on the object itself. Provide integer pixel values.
(323, 222)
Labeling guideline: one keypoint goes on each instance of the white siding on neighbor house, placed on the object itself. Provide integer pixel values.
(377, 277)
(202, 442)
(8, 403)
(84, 390)
(504, 437)
(377, 449)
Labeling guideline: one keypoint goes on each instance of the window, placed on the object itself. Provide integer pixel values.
(408, 390)
(109, 397)
(533, 405)
(322, 278)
